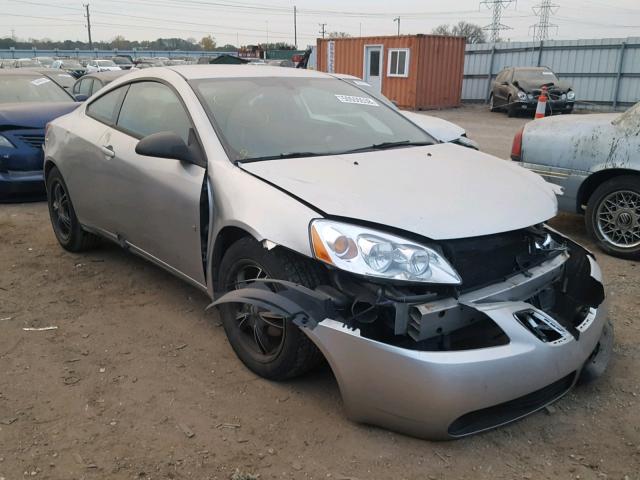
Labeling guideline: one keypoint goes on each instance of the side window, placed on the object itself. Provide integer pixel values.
(104, 109)
(151, 107)
(85, 87)
(398, 62)
(97, 85)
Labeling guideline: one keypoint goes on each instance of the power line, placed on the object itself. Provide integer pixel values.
(543, 10)
(496, 25)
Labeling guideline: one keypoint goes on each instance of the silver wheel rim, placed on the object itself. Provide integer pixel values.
(618, 219)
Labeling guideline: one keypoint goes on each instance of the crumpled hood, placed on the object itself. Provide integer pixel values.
(33, 115)
(529, 85)
(439, 191)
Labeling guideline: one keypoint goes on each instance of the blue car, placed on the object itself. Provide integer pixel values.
(28, 101)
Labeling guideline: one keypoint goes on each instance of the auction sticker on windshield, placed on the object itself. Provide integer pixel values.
(40, 81)
(357, 100)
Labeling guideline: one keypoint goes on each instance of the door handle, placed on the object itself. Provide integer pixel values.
(108, 151)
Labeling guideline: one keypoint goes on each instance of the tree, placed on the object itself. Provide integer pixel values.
(208, 43)
(338, 35)
(473, 32)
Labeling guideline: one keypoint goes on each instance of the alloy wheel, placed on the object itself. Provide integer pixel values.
(618, 219)
(61, 211)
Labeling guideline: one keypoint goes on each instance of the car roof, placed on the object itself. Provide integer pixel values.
(197, 72)
(105, 76)
(20, 72)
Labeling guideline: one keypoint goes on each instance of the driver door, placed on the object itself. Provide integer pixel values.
(157, 199)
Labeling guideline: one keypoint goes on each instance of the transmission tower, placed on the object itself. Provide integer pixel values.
(543, 10)
(496, 25)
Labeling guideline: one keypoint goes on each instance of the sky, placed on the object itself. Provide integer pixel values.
(252, 21)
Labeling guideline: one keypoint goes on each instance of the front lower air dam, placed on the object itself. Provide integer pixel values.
(455, 393)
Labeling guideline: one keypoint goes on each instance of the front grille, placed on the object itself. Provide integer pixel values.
(502, 413)
(485, 260)
(34, 140)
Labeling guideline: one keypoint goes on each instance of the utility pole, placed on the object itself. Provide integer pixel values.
(543, 10)
(322, 28)
(88, 26)
(397, 19)
(295, 27)
(496, 26)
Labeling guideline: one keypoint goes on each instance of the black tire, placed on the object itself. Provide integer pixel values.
(295, 353)
(66, 226)
(623, 240)
(492, 106)
(511, 108)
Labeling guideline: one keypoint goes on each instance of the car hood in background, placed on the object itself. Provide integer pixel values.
(529, 85)
(438, 128)
(439, 191)
(33, 115)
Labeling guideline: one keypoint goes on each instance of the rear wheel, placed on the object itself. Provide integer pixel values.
(268, 344)
(66, 226)
(613, 216)
(511, 107)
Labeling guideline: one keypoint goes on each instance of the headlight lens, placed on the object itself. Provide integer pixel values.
(4, 142)
(522, 95)
(571, 95)
(369, 252)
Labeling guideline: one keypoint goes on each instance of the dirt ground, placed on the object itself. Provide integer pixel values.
(138, 382)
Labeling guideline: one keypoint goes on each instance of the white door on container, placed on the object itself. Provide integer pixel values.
(373, 66)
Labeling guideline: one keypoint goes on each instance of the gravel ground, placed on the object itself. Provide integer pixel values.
(138, 382)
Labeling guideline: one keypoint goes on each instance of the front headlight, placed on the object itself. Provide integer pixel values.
(571, 95)
(373, 253)
(4, 142)
(522, 95)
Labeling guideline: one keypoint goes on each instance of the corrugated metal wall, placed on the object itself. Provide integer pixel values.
(435, 67)
(605, 73)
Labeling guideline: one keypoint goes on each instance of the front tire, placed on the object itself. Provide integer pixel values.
(64, 221)
(613, 216)
(269, 345)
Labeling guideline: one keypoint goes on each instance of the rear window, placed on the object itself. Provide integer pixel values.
(28, 89)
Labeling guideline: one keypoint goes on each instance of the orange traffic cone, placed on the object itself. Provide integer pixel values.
(542, 103)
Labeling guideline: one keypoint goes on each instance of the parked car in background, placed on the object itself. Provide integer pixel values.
(148, 63)
(516, 90)
(23, 63)
(7, 63)
(62, 78)
(280, 63)
(442, 130)
(101, 66)
(596, 160)
(28, 101)
(73, 67)
(325, 223)
(89, 84)
(46, 62)
(125, 63)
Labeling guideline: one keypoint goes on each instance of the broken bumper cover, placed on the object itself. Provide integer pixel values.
(442, 395)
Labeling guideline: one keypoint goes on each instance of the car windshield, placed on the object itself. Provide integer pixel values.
(121, 61)
(540, 76)
(72, 65)
(45, 61)
(367, 87)
(275, 117)
(20, 89)
(63, 79)
(105, 63)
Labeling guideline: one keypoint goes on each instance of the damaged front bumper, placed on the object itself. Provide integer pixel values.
(445, 378)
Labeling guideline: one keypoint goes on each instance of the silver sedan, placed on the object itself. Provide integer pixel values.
(327, 226)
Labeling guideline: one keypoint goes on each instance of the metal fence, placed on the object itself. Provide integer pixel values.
(604, 73)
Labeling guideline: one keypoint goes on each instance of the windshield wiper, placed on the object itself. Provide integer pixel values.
(385, 145)
(281, 156)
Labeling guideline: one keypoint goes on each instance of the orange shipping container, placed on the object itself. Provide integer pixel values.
(415, 71)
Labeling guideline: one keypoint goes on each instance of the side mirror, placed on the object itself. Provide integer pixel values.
(167, 145)
(81, 97)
